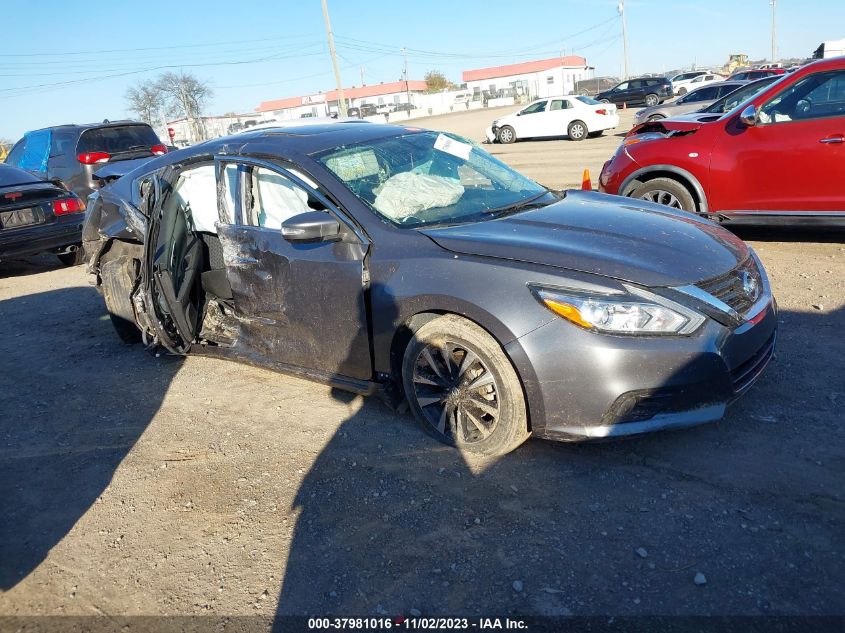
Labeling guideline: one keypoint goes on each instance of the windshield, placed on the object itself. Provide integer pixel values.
(588, 100)
(117, 139)
(429, 178)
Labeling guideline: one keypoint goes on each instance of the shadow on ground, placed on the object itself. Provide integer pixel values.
(53, 466)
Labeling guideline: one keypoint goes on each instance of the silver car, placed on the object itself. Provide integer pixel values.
(690, 102)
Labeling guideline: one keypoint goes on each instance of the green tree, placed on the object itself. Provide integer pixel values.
(437, 82)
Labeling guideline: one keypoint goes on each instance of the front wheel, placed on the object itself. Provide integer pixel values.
(652, 100)
(507, 134)
(682, 92)
(462, 388)
(666, 191)
(655, 117)
(577, 131)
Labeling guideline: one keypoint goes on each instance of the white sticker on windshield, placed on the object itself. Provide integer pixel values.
(453, 147)
(354, 165)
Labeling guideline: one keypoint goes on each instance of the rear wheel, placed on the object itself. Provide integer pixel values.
(666, 191)
(73, 258)
(577, 131)
(682, 92)
(652, 100)
(507, 134)
(118, 276)
(462, 387)
(655, 117)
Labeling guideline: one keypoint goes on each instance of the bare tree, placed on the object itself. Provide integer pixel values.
(185, 95)
(146, 100)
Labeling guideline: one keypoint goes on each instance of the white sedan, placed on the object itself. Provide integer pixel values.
(688, 85)
(575, 116)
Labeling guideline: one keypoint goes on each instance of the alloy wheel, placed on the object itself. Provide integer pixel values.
(663, 197)
(456, 391)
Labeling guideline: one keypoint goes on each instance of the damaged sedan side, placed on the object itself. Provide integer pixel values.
(412, 264)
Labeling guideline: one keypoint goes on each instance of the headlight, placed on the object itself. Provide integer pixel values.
(635, 312)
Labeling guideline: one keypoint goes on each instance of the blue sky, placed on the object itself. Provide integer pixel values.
(65, 62)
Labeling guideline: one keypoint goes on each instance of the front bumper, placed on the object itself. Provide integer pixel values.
(587, 385)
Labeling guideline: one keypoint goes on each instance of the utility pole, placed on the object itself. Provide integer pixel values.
(621, 8)
(405, 76)
(774, 37)
(341, 101)
(362, 75)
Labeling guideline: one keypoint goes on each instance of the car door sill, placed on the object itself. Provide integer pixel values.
(355, 385)
(807, 218)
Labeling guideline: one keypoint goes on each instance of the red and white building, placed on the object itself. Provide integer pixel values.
(536, 79)
(324, 103)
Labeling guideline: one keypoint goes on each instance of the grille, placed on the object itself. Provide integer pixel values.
(730, 287)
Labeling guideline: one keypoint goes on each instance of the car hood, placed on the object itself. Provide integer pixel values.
(591, 232)
(665, 126)
(695, 117)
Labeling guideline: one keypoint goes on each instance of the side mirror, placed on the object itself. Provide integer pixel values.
(311, 226)
(748, 117)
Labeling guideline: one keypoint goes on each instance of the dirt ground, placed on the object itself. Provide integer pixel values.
(132, 484)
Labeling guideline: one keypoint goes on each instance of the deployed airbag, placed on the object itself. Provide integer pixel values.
(408, 193)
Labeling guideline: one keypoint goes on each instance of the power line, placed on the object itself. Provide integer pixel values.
(17, 91)
(153, 48)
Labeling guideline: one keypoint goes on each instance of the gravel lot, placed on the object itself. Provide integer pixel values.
(131, 484)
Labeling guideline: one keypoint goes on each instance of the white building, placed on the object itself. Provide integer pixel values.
(324, 103)
(536, 79)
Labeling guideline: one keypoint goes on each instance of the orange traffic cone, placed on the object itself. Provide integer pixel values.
(586, 183)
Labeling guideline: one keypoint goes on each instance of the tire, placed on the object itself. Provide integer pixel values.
(577, 130)
(118, 278)
(666, 191)
(75, 258)
(604, 100)
(655, 117)
(652, 100)
(489, 419)
(682, 92)
(506, 135)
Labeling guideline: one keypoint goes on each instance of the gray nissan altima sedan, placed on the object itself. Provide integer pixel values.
(413, 264)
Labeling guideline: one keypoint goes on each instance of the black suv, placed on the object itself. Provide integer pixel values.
(644, 90)
(72, 153)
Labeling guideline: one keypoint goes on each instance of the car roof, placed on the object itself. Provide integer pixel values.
(287, 143)
(89, 126)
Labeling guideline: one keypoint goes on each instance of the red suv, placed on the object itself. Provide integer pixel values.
(778, 157)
